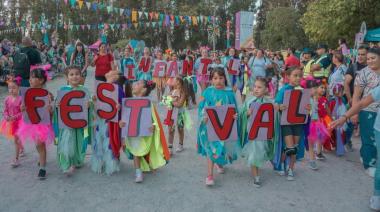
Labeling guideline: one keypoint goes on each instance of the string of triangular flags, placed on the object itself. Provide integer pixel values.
(166, 20)
(77, 27)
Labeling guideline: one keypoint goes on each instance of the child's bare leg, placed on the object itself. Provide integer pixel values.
(136, 161)
(41, 148)
(210, 167)
(181, 135)
(254, 171)
(17, 148)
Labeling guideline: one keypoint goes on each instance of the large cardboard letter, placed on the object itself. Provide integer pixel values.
(221, 131)
(137, 115)
(130, 72)
(187, 68)
(159, 68)
(72, 104)
(145, 64)
(296, 102)
(172, 69)
(107, 98)
(35, 101)
(203, 66)
(261, 122)
(233, 66)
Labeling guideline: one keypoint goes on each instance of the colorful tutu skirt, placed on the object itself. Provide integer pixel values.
(35, 133)
(9, 128)
(318, 132)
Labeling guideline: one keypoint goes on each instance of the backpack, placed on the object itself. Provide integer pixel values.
(21, 64)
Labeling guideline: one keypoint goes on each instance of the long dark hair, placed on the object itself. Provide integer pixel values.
(219, 71)
(187, 90)
(83, 52)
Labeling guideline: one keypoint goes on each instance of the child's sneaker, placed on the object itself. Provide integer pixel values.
(15, 163)
(22, 153)
(313, 165)
(320, 156)
(210, 181)
(139, 176)
(179, 148)
(170, 149)
(256, 182)
(290, 176)
(374, 203)
(220, 169)
(42, 174)
(282, 171)
(370, 171)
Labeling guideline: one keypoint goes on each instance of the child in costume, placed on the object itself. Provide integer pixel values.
(338, 108)
(128, 64)
(290, 133)
(245, 78)
(40, 134)
(149, 152)
(159, 80)
(256, 152)
(180, 95)
(144, 71)
(233, 80)
(318, 132)
(12, 117)
(107, 140)
(217, 152)
(72, 143)
(173, 71)
(202, 79)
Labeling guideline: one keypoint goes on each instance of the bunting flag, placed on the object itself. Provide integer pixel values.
(134, 16)
(80, 4)
(88, 4)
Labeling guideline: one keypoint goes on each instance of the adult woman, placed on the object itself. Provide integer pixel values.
(365, 81)
(80, 58)
(103, 62)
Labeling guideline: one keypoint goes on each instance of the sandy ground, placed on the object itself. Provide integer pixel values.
(339, 185)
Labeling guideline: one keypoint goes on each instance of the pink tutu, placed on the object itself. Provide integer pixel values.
(9, 128)
(36, 133)
(318, 132)
(202, 78)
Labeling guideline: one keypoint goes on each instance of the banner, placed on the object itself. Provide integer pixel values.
(244, 30)
(159, 68)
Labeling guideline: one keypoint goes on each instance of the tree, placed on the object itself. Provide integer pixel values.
(328, 20)
(283, 29)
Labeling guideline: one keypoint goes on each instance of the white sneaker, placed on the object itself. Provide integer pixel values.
(371, 171)
(139, 178)
(179, 148)
(219, 169)
(281, 173)
(374, 203)
(210, 181)
(290, 176)
(15, 163)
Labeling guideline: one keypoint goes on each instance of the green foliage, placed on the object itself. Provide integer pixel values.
(283, 30)
(328, 20)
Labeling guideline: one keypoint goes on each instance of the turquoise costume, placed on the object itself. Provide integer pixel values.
(219, 152)
(256, 152)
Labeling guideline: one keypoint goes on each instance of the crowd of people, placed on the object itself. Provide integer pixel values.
(341, 87)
